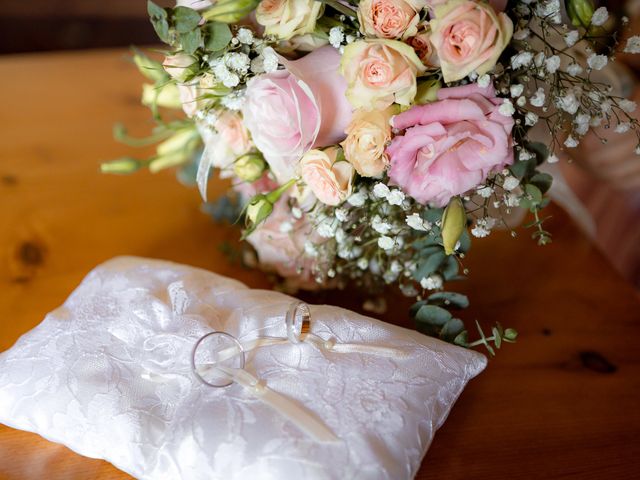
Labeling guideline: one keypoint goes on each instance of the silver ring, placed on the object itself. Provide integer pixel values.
(297, 311)
(195, 348)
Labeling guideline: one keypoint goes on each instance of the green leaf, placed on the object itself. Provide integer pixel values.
(449, 299)
(451, 329)
(156, 11)
(151, 69)
(413, 310)
(218, 36)
(534, 192)
(191, 41)
(429, 266)
(540, 149)
(433, 315)
(185, 19)
(462, 339)
(510, 334)
(465, 242)
(522, 168)
(432, 215)
(159, 20)
(451, 267)
(497, 337)
(543, 181)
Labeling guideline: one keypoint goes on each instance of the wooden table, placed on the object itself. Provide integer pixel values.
(562, 403)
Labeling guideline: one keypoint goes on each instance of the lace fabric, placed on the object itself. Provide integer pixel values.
(108, 375)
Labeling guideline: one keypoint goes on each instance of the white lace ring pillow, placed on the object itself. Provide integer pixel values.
(107, 374)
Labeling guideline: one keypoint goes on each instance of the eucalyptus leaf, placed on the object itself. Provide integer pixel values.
(543, 181)
(191, 41)
(433, 315)
(522, 168)
(185, 19)
(451, 329)
(159, 20)
(449, 299)
(540, 149)
(462, 339)
(534, 192)
(432, 215)
(218, 36)
(450, 269)
(429, 266)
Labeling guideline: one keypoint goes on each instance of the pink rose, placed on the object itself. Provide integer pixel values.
(388, 18)
(468, 37)
(279, 242)
(290, 111)
(328, 179)
(421, 43)
(498, 5)
(233, 132)
(450, 146)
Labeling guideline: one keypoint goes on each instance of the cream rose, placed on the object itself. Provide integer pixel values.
(388, 18)
(468, 37)
(380, 72)
(367, 137)
(328, 178)
(288, 18)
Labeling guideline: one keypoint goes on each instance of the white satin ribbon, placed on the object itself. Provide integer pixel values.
(288, 408)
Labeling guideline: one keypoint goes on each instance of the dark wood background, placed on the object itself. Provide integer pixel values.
(43, 25)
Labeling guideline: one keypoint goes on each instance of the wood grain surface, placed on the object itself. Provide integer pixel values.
(561, 403)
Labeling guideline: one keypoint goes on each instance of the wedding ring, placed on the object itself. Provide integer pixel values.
(214, 356)
(298, 320)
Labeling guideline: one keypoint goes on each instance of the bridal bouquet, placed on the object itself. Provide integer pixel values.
(367, 141)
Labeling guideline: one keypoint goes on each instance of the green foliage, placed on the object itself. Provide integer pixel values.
(499, 335)
(185, 19)
(191, 41)
(160, 20)
(217, 37)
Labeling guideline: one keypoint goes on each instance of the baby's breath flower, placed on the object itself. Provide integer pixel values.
(571, 38)
(336, 36)
(623, 127)
(507, 109)
(484, 191)
(432, 282)
(574, 69)
(385, 243)
(484, 81)
(516, 90)
(357, 199)
(395, 197)
(538, 98)
(633, 45)
(245, 36)
(570, 142)
(510, 183)
(553, 158)
(552, 64)
(628, 106)
(600, 16)
(530, 119)
(380, 190)
(597, 62)
(416, 222)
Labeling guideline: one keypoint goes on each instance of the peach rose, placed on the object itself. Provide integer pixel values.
(233, 132)
(421, 43)
(388, 18)
(367, 138)
(468, 36)
(328, 178)
(380, 72)
(288, 18)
